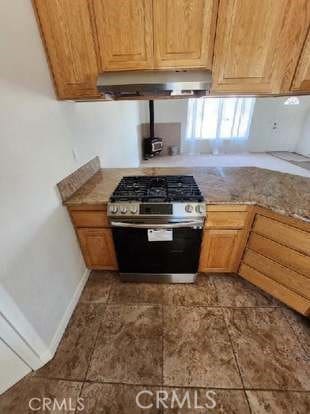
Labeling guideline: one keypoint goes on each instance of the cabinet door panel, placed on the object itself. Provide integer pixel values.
(184, 33)
(68, 36)
(302, 76)
(282, 233)
(292, 299)
(277, 258)
(125, 34)
(221, 250)
(258, 44)
(281, 274)
(279, 253)
(98, 248)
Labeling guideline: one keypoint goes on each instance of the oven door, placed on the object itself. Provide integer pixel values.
(158, 252)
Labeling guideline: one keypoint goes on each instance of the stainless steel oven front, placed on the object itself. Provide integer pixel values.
(158, 249)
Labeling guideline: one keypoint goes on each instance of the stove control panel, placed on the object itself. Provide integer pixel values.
(130, 209)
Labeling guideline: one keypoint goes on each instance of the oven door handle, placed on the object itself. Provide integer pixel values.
(181, 224)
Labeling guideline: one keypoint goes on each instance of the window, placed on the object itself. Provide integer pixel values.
(219, 118)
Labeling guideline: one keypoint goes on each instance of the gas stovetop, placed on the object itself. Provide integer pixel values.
(161, 189)
(170, 196)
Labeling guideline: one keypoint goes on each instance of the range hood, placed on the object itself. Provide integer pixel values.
(155, 83)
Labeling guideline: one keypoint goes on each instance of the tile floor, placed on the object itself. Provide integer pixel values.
(175, 341)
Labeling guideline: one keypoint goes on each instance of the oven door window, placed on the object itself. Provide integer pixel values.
(176, 252)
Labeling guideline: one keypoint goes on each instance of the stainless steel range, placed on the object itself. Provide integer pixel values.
(157, 224)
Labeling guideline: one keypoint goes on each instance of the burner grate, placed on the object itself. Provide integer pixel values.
(172, 188)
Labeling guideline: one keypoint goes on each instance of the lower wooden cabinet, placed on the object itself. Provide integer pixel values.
(93, 218)
(279, 253)
(227, 220)
(277, 272)
(275, 289)
(277, 259)
(221, 250)
(98, 248)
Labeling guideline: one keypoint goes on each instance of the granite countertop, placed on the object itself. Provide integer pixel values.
(284, 193)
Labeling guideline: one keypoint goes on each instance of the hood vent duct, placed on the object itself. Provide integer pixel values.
(155, 83)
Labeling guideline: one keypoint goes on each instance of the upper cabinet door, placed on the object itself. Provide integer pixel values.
(125, 34)
(302, 76)
(184, 33)
(258, 44)
(67, 32)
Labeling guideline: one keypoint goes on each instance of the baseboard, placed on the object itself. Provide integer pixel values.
(49, 354)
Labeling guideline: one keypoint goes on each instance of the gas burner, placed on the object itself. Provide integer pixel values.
(170, 188)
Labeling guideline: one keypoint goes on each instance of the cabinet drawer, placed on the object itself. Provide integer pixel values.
(289, 236)
(226, 219)
(90, 218)
(287, 277)
(292, 299)
(228, 207)
(281, 254)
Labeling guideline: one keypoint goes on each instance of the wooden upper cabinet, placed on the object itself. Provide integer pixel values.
(68, 37)
(124, 33)
(302, 76)
(184, 33)
(258, 44)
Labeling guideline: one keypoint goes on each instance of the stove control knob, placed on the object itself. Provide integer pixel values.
(113, 209)
(189, 208)
(200, 209)
(124, 210)
(134, 210)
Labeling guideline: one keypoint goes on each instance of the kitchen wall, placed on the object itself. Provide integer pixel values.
(41, 268)
(303, 144)
(275, 126)
(289, 119)
(40, 262)
(107, 129)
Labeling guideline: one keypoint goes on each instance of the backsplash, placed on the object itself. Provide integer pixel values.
(74, 181)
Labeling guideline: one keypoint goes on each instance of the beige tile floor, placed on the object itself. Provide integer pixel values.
(221, 335)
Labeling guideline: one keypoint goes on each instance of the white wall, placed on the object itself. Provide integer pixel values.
(12, 367)
(40, 262)
(303, 145)
(109, 129)
(263, 137)
(289, 119)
